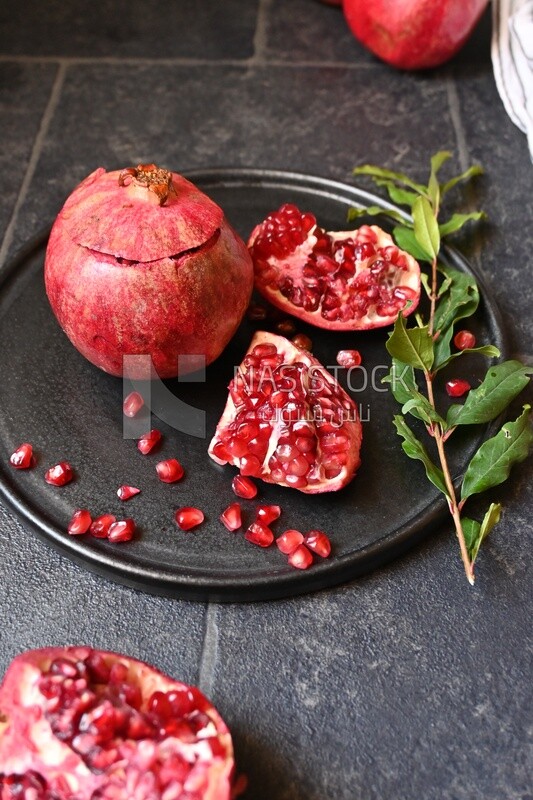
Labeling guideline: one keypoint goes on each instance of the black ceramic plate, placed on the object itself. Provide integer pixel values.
(68, 409)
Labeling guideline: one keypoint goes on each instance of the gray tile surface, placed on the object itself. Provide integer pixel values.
(407, 683)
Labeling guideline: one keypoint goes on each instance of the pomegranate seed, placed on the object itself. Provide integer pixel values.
(80, 523)
(121, 531)
(125, 492)
(267, 514)
(60, 474)
(100, 526)
(244, 487)
(257, 312)
(231, 517)
(457, 387)
(303, 341)
(318, 542)
(289, 541)
(464, 340)
(301, 558)
(22, 458)
(349, 358)
(132, 404)
(148, 441)
(169, 471)
(189, 517)
(259, 534)
(286, 327)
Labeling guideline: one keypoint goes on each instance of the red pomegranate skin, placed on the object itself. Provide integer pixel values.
(27, 743)
(126, 275)
(413, 34)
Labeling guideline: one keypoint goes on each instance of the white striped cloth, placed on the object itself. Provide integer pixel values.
(512, 60)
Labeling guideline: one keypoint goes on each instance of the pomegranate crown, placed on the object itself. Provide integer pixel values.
(151, 177)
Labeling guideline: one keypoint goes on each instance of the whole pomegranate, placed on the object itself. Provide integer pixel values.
(142, 262)
(288, 421)
(341, 280)
(413, 34)
(83, 724)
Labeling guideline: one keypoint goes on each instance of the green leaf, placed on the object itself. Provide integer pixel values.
(401, 378)
(502, 383)
(374, 211)
(458, 300)
(406, 239)
(416, 450)
(457, 221)
(492, 463)
(413, 346)
(398, 177)
(426, 228)
(464, 176)
(486, 350)
(475, 533)
(424, 280)
(403, 197)
(433, 186)
(424, 410)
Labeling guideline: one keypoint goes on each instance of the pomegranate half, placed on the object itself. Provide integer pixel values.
(288, 421)
(341, 280)
(82, 724)
(142, 262)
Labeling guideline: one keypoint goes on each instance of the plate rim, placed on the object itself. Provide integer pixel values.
(328, 574)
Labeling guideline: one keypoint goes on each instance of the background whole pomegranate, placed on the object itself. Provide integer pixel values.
(84, 724)
(142, 262)
(413, 34)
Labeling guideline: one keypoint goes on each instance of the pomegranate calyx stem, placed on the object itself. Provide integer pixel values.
(151, 177)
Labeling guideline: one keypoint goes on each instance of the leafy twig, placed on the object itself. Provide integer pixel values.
(426, 348)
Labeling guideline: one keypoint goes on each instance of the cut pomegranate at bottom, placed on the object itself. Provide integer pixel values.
(81, 724)
(287, 421)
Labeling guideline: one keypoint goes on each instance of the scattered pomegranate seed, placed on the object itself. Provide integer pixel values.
(267, 514)
(259, 534)
(286, 327)
(301, 558)
(289, 541)
(132, 404)
(125, 492)
(349, 358)
(80, 523)
(169, 471)
(121, 531)
(303, 341)
(189, 517)
(22, 458)
(101, 525)
(148, 441)
(244, 487)
(231, 517)
(457, 387)
(464, 340)
(60, 474)
(318, 542)
(257, 312)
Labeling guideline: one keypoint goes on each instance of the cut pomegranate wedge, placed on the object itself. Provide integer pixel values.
(82, 724)
(287, 420)
(341, 280)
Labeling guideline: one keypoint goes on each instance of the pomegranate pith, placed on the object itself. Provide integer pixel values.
(60, 474)
(288, 421)
(163, 273)
(22, 458)
(79, 724)
(343, 280)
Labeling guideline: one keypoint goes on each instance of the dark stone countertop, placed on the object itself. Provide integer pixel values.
(406, 683)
